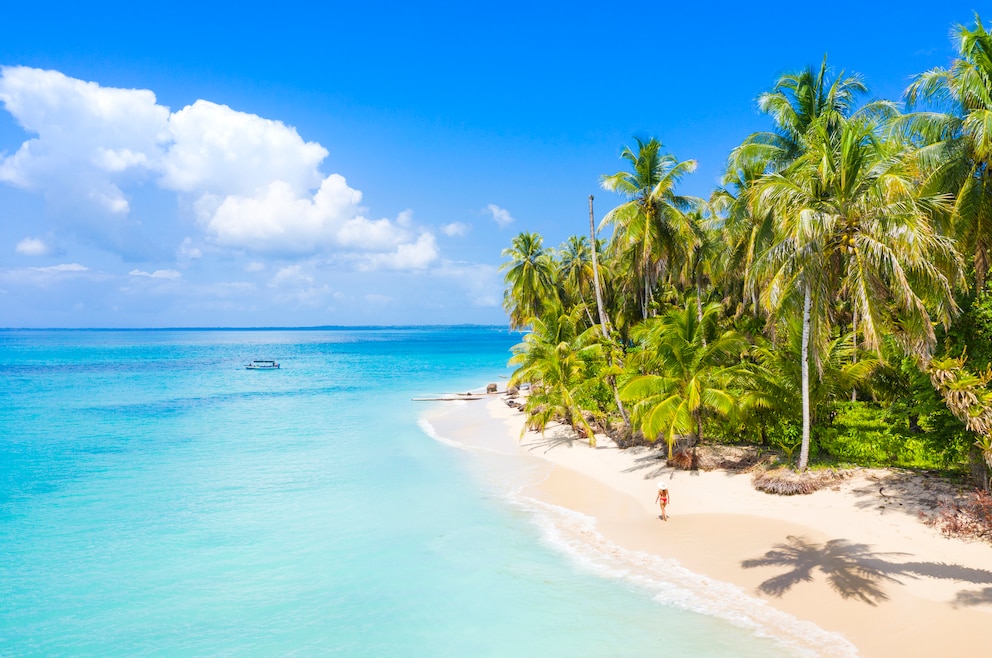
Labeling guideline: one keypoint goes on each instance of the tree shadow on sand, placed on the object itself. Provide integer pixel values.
(967, 599)
(854, 571)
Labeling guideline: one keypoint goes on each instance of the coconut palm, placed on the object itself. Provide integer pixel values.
(956, 135)
(968, 397)
(558, 358)
(652, 231)
(575, 274)
(851, 225)
(737, 235)
(683, 368)
(529, 278)
(796, 102)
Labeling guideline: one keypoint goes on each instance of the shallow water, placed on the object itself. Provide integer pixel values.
(158, 498)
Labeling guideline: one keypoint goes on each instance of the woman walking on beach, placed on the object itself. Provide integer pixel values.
(662, 499)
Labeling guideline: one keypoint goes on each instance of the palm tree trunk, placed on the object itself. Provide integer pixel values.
(807, 307)
(699, 306)
(854, 332)
(589, 317)
(604, 322)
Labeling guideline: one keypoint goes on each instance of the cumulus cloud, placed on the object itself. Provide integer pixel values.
(157, 274)
(409, 256)
(455, 229)
(216, 149)
(32, 247)
(253, 183)
(500, 215)
(88, 136)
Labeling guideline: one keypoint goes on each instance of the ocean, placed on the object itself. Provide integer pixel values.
(157, 498)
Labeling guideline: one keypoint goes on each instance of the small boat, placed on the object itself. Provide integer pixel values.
(262, 364)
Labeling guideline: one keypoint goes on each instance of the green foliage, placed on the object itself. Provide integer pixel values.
(830, 271)
(972, 332)
(868, 434)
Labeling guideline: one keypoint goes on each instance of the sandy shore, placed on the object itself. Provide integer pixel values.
(854, 560)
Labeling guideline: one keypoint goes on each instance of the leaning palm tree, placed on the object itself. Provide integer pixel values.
(954, 128)
(681, 373)
(529, 278)
(652, 231)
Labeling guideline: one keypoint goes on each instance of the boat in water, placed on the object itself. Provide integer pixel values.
(262, 364)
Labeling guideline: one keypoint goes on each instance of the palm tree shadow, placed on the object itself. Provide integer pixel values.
(846, 566)
(854, 571)
(651, 464)
(554, 437)
(973, 598)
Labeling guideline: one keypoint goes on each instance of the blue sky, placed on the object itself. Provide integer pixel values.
(299, 164)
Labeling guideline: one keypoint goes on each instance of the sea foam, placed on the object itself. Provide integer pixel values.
(664, 580)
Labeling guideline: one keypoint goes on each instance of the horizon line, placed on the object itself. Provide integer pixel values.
(331, 327)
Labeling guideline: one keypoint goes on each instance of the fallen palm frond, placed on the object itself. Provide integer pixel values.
(969, 520)
(683, 460)
(787, 482)
(737, 459)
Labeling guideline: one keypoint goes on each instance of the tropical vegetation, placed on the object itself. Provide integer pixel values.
(830, 298)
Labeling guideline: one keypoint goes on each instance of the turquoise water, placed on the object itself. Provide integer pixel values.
(158, 498)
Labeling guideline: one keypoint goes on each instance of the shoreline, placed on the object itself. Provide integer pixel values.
(852, 560)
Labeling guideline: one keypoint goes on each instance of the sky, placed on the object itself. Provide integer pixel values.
(342, 163)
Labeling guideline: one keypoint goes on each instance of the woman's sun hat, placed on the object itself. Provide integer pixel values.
(662, 485)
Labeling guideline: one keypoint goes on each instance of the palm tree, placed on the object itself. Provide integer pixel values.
(968, 397)
(529, 278)
(558, 359)
(851, 225)
(956, 138)
(795, 103)
(681, 373)
(768, 381)
(652, 229)
(738, 236)
(576, 274)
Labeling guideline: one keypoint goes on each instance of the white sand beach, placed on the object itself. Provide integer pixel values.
(854, 559)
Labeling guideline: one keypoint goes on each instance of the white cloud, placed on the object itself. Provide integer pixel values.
(219, 150)
(455, 229)
(88, 136)
(253, 183)
(483, 284)
(289, 275)
(32, 247)
(157, 274)
(254, 266)
(500, 215)
(187, 251)
(409, 256)
(65, 267)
